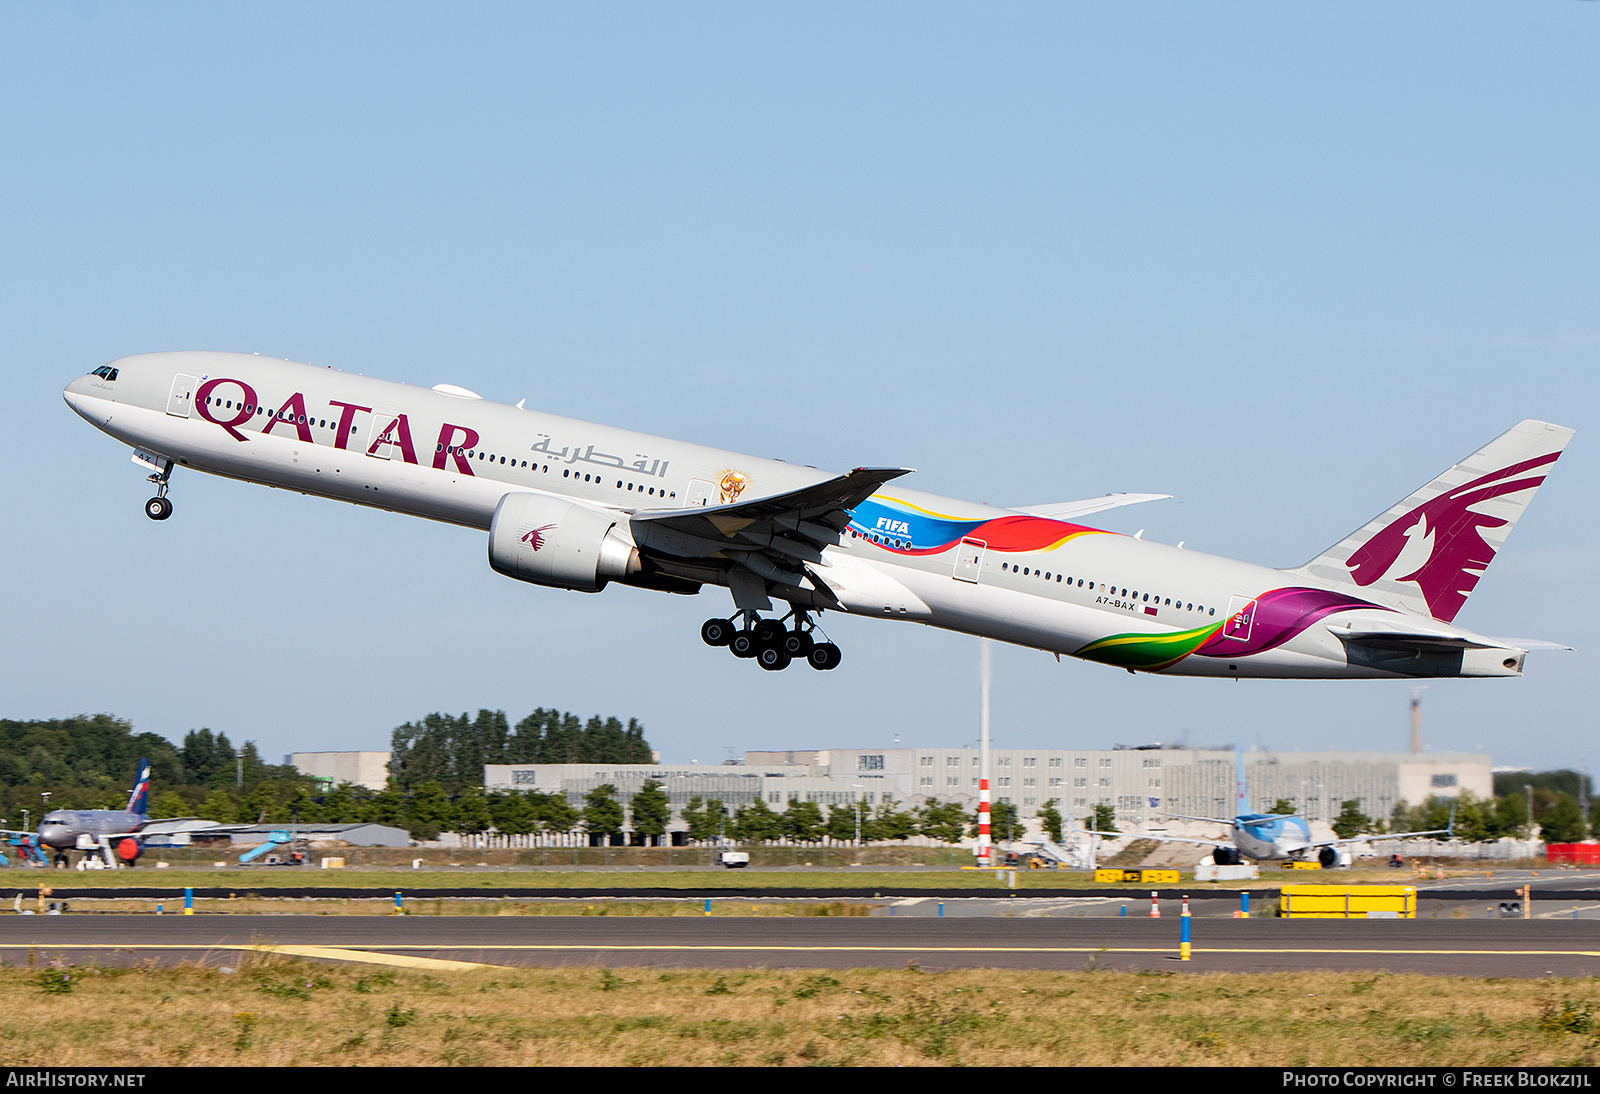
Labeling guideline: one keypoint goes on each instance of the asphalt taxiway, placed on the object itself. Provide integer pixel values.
(1521, 948)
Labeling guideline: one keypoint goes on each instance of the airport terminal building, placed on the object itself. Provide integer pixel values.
(1139, 783)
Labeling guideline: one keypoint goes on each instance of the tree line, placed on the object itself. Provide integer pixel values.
(451, 751)
(1557, 809)
(436, 785)
(435, 782)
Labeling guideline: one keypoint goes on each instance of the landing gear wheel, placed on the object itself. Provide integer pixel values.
(824, 656)
(772, 658)
(742, 644)
(768, 632)
(158, 508)
(716, 632)
(798, 644)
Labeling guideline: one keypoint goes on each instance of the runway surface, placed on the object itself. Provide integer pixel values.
(1521, 948)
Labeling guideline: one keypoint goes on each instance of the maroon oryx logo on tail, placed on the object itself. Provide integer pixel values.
(533, 538)
(1440, 543)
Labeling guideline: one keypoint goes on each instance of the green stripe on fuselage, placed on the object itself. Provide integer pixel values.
(1146, 651)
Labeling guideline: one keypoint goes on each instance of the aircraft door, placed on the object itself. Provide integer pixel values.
(181, 400)
(969, 560)
(1241, 615)
(698, 494)
(382, 439)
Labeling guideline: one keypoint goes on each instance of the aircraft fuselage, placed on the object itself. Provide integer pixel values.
(451, 456)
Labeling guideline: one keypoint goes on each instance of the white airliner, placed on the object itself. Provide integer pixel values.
(112, 834)
(1275, 837)
(573, 505)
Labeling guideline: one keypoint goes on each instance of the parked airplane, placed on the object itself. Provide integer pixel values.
(573, 505)
(1275, 837)
(98, 830)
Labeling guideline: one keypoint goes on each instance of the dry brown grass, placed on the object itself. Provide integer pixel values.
(256, 905)
(277, 1011)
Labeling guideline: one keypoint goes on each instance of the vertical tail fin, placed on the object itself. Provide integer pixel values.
(1426, 553)
(139, 800)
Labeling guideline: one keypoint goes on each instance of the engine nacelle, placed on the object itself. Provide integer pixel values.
(552, 541)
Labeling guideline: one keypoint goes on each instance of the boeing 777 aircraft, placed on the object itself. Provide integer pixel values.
(573, 505)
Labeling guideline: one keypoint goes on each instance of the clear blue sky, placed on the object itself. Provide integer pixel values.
(1286, 262)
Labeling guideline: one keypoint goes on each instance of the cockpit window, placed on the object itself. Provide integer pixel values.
(105, 372)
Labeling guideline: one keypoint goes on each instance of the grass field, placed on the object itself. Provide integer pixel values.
(606, 906)
(278, 1011)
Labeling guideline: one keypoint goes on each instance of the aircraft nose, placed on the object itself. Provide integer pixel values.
(54, 835)
(77, 394)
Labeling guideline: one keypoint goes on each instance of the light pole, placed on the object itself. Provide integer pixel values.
(985, 858)
(860, 801)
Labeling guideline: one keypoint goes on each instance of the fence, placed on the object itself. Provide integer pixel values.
(1578, 854)
(533, 841)
(1501, 850)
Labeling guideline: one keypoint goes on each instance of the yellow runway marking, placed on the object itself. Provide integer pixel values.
(331, 953)
(369, 957)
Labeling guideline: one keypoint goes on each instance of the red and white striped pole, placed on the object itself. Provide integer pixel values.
(984, 843)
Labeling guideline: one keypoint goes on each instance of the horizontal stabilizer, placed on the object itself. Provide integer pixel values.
(1532, 644)
(1066, 510)
(1409, 640)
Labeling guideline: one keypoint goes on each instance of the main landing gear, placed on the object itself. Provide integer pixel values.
(772, 646)
(158, 507)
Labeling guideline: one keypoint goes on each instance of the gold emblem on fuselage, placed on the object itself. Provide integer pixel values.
(732, 485)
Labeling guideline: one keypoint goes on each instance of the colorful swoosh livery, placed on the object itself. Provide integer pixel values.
(907, 529)
(578, 505)
(1271, 620)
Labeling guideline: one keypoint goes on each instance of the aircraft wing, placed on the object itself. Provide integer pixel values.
(1063, 510)
(1208, 820)
(1384, 835)
(1447, 830)
(1187, 839)
(169, 825)
(776, 536)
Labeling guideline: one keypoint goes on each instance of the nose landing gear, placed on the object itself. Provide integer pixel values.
(769, 643)
(158, 507)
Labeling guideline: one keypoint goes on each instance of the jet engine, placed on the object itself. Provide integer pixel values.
(554, 541)
(1331, 857)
